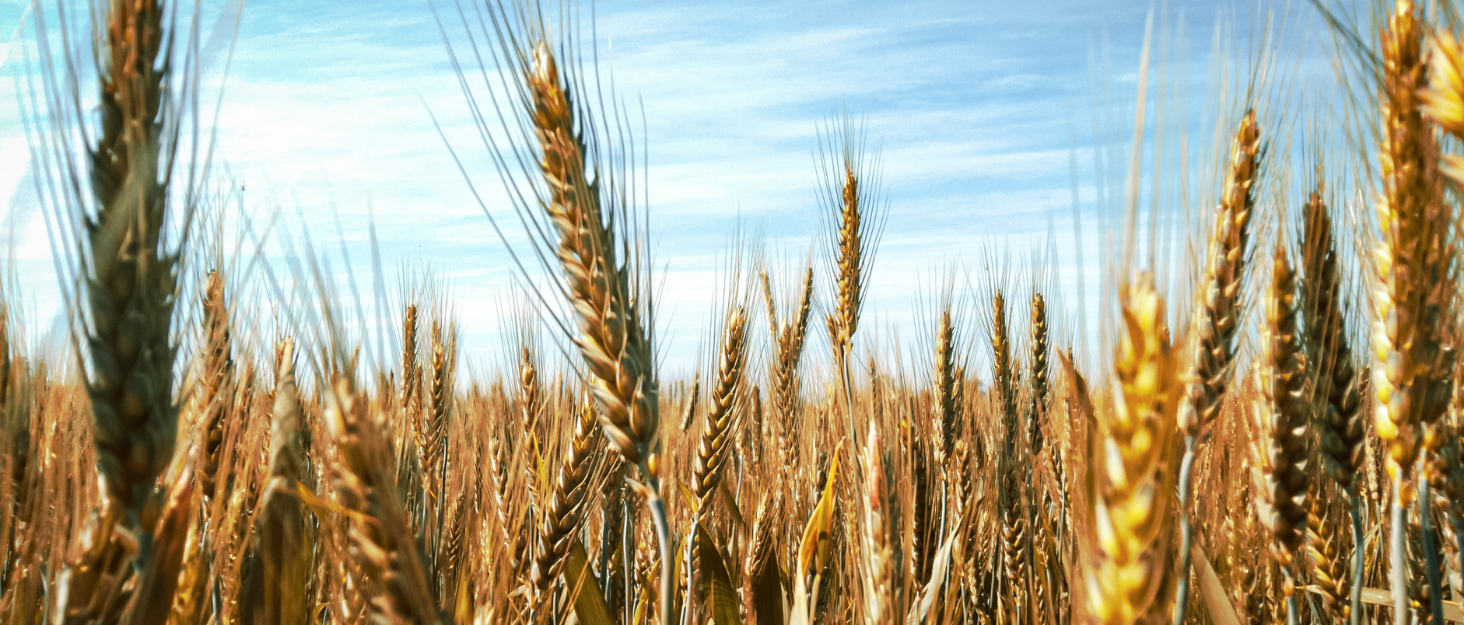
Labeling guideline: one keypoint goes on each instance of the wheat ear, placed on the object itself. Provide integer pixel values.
(711, 451)
(1330, 359)
(946, 386)
(381, 539)
(131, 280)
(788, 334)
(213, 403)
(433, 453)
(283, 541)
(1324, 545)
(563, 514)
(1131, 461)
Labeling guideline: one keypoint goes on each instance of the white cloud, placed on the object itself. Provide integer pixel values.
(326, 113)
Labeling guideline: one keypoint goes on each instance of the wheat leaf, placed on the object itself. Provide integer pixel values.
(716, 583)
(589, 603)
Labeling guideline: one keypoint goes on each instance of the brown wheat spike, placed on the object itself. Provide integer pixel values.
(1013, 540)
(762, 562)
(1132, 458)
(411, 401)
(531, 402)
(433, 453)
(1324, 540)
(611, 338)
(1328, 351)
(924, 539)
(688, 412)
(1414, 257)
(850, 278)
(946, 386)
(411, 419)
(131, 283)
(218, 371)
(283, 541)
(502, 477)
(1219, 314)
(381, 541)
(1280, 419)
(562, 515)
(711, 451)
(1003, 376)
(213, 405)
(1217, 320)
(788, 335)
(1037, 411)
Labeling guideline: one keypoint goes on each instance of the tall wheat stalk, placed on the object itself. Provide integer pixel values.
(851, 196)
(612, 338)
(1217, 323)
(1413, 286)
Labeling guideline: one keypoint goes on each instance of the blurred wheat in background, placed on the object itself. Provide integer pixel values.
(1270, 428)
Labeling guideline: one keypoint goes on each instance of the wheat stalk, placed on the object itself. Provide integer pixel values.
(612, 340)
(877, 542)
(1413, 273)
(1217, 321)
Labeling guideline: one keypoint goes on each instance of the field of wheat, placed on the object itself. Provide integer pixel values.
(1279, 439)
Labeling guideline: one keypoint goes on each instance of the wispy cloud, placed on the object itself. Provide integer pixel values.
(971, 104)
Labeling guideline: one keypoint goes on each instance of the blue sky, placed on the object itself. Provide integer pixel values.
(974, 107)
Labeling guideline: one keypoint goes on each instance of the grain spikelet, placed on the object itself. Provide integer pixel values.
(1329, 570)
(283, 541)
(611, 338)
(1218, 317)
(1037, 410)
(1328, 351)
(563, 513)
(1132, 458)
(218, 371)
(711, 451)
(1413, 262)
(946, 386)
(131, 280)
(788, 337)
(1280, 417)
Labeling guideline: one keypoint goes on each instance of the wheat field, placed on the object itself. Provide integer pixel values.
(1279, 438)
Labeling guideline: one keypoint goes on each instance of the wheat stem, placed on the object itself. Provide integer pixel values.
(1430, 553)
(1398, 554)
